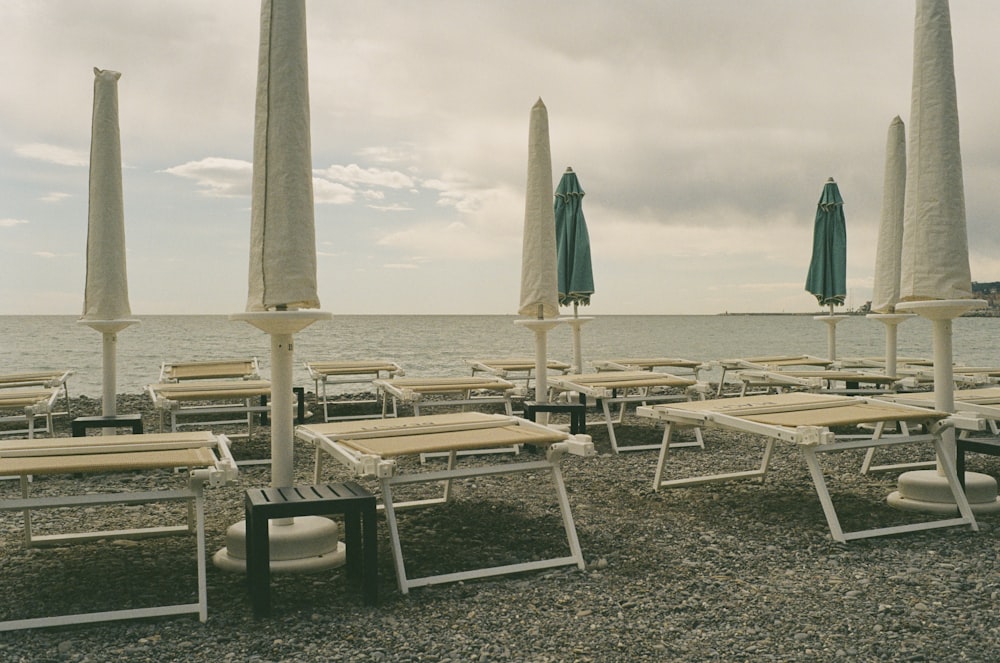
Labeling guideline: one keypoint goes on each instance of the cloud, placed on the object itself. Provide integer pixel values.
(62, 156)
(333, 193)
(355, 174)
(55, 197)
(10, 223)
(216, 176)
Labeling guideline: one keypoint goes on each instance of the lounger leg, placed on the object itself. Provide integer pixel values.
(574, 543)
(948, 465)
(27, 512)
(824, 494)
(611, 424)
(452, 461)
(202, 583)
(664, 452)
(397, 551)
(867, 462)
(318, 465)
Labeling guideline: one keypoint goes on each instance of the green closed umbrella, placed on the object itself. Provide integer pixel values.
(827, 279)
(576, 275)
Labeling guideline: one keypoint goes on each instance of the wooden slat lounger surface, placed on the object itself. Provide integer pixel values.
(32, 378)
(201, 370)
(457, 431)
(351, 367)
(624, 379)
(436, 384)
(209, 389)
(17, 398)
(652, 362)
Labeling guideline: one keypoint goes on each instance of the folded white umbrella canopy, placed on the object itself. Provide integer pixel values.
(539, 279)
(888, 252)
(105, 300)
(283, 270)
(935, 278)
(282, 230)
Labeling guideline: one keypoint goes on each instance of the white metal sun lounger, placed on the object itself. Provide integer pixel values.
(624, 387)
(766, 363)
(515, 367)
(26, 404)
(54, 378)
(218, 400)
(211, 369)
(677, 365)
(326, 373)
(371, 449)
(805, 420)
(205, 456)
(844, 382)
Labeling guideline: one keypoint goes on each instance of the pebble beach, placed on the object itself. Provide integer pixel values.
(742, 571)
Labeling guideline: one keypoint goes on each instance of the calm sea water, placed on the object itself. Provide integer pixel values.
(438, 345)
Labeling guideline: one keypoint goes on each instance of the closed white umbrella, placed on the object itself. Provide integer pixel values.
(539, 276)
(888, 252)
(105, 301)
(935, 278)
(282, 275)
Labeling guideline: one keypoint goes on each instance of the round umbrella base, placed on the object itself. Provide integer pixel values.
(307, 545)
(928, 492)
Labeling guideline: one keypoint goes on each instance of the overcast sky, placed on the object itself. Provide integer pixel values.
(702, 133)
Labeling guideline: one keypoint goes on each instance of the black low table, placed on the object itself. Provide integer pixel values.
(990, 447)
(577, 413)
(80, 425)
(350, 499)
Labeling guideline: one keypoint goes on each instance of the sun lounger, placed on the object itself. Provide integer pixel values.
(460, 391)
(844, 382)
(622, 388)
(766, 363)
(678, 366)
(372, 448)
(56, 378)
(24, 405)
(210, 403)
(327, 373)
(805, 420)
(205, 456)
(515, 367)
(212, 369)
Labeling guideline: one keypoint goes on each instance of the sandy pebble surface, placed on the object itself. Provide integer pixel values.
(727, 572)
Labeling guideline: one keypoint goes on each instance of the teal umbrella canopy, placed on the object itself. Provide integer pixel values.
(827, 278)
(576, 274)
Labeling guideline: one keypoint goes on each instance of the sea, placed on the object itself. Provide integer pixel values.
(439, 345)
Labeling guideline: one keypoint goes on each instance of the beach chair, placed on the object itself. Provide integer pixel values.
(766, 363)
(623, 388)
(674, 365)
(205, 458)
(831, 381)
(515, 368)
(329, 373)
(805, 420)
(55, 378)
(212, 393)
(26, 405)
(374, 449)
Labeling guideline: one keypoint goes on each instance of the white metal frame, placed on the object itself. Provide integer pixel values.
(222, 472)
(352, 372)
(811, 441)
(515, 368)
(57, 378)
(605, 397)
(389, 475)
(43, 399)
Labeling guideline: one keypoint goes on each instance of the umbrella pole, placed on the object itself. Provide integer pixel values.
(109, 386)
(928, 490)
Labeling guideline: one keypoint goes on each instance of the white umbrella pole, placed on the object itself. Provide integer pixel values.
(282, 466)
(109, 386)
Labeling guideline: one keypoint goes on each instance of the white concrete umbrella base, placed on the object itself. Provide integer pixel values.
(306, 544)
(927, 491)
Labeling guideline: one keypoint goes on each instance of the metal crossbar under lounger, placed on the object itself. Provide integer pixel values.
(624, 387)
(326, 373)
(206, 457)
(804, 420)
(370, 449)
(515, 367)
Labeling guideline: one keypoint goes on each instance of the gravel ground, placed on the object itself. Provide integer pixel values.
(729, 572)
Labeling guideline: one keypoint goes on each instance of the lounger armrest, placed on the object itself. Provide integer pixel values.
(908, 383)
(967, 421)
(814, 436)
(701, 389)
(576, 445)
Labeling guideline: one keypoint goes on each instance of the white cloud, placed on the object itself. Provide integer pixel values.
(10, 223)
(355, 174)
(333, 193)
(217, 176)
(62, 156)
(55, 197)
